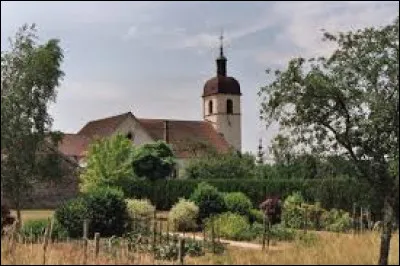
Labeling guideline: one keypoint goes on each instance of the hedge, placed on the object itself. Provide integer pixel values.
(332, 193)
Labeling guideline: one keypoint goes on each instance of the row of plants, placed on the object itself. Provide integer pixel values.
(339, 193)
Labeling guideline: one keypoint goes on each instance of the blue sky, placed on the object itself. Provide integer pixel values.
(153, 58)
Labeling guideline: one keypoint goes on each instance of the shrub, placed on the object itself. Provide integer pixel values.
(140, 208)
(292, 215)
(184, 215)
(209, 200)
(256, 216)
(104, 208)
(71, 215)
(34, 229)
(337, 220)
(229, 225)
(238, 202)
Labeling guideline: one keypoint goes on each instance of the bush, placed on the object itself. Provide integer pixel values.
(104, 208)
(209, 200)
(337, 220)
(34, 229)
(335, 192)
(256, 216)
(140, 208)
(184, 215)
(293, 215)
(71, 215)
(229, 225)
(238, 202)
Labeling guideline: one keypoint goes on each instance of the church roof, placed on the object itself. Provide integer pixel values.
(221, 84)
(183, 133)
(103, 127)
(73, 145)
(180, 134)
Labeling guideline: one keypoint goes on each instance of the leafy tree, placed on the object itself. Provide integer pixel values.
(109, 163)
(347, 103)
(153, 161)
(30, 73)
(221, 166)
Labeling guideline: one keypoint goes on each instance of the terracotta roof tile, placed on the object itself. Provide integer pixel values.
(103, 127)
(183, 132)
(73, 145)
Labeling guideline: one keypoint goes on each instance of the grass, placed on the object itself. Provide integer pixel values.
(328, 249)
(34, 214)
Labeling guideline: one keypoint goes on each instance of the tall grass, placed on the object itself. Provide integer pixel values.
(327, 249)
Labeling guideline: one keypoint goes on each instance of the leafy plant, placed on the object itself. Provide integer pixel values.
(208, 199)
(153, 161)
(184, 215)
(104, 208)
(228, 225)
(140, 208)
(109, 164)
(34, 229)
(238, 202)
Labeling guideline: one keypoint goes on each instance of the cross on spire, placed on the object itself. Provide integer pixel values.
(222, 43)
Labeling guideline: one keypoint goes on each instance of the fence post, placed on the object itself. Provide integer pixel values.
(45, 242)
(85, 239)
(354, 218)
(361, 220)
(161, 233)
(212, 234)
(265, 231)
(97, 244)
(204, 238)
(181, 252)
(268, 232)
(154, 233)
(167, 231)
(305, 220)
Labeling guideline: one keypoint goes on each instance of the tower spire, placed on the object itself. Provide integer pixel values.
(221, 49)
(221, 60)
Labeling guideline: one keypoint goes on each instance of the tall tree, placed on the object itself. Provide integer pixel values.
(109, 164)
(30, 73)
(347, 102)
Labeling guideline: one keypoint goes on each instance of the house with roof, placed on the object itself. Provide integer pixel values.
(220, 127)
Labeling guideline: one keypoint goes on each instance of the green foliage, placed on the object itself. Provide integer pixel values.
(71, 215)
(346, 103)
(109, 164)
(209, 200)
(338, 193)
(256, 216)
(293, 214)
(221, 166)
(238, 202)
(140, 208)
(104, 208)
(154, 161)
(184, 215)
(229, 225)
(337, 220)
(34, 229)
(30, 73)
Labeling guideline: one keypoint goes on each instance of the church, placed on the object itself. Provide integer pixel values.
(220, 127)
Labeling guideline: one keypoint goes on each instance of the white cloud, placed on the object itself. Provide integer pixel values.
(303, 21)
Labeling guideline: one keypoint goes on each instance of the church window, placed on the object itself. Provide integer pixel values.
(229, 106)
(129, 136)
(210, 107)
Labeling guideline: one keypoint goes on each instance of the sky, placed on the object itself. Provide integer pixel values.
(153, 58)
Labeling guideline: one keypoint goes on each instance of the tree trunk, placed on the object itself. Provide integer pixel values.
(386, 232)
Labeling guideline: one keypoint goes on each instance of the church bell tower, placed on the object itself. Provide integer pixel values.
(221, 103)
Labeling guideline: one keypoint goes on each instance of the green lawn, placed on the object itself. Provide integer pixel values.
(34, 214)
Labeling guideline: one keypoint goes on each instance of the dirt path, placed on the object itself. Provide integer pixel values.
(238, 244)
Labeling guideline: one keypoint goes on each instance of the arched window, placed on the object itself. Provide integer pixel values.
(229, 106)
(129, 136)
(210, 107)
